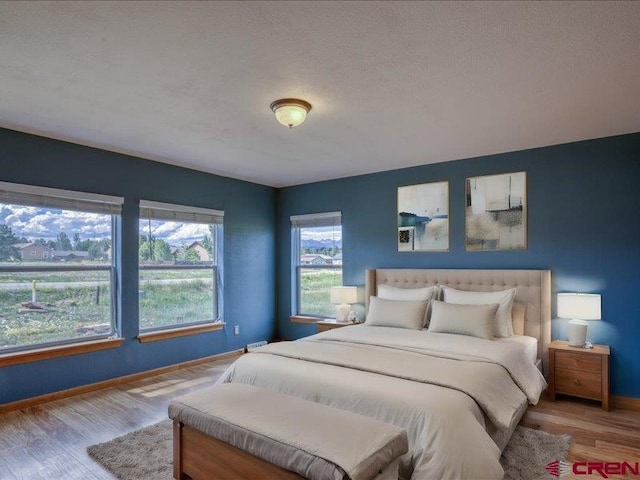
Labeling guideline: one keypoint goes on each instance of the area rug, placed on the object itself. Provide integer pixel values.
(147, 454)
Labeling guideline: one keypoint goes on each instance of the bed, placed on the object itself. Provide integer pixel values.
(459, 397)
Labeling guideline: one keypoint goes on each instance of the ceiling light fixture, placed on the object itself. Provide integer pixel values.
(291, 111)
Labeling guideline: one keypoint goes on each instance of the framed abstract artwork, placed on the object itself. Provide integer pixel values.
(423, 217)
(496, 212)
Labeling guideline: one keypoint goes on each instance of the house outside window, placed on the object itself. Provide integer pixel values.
(43, 301)
(317, 260)
(180, 254)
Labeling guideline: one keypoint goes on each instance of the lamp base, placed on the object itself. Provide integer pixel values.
(577, 332)
(342, 312)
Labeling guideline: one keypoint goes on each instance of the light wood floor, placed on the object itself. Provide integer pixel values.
(598, 436)
(49, 441)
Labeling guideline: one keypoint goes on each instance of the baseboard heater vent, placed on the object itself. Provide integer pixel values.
(253, 346)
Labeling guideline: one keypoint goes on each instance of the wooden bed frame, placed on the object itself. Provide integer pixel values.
(197, 456)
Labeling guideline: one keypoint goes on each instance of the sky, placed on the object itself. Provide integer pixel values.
(47, 223)
(35, 222)
(322, 233)
(175, 233)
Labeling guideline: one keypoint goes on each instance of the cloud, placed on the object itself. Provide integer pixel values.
(322, 233)
(47, 223)
(175, 233)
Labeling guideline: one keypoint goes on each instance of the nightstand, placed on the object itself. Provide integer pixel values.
(324, 325)
(579, 372)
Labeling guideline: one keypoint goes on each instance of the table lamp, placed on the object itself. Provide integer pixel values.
(579, 307)
(343, 297)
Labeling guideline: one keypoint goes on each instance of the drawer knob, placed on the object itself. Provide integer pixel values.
(577, 382)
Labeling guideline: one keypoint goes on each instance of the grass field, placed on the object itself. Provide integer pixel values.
(315, 285)
(69, 312)
(162, 305)
(77, 311)
(86, 276)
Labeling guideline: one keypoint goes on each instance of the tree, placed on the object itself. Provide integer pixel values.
(96, 250)
(209, 240)
(156, 249)
(191, 255)
(145, 247)
(83, 245)
(186, 254)
(63, 242)
(207, 243)
(50, 244)
(8, 251)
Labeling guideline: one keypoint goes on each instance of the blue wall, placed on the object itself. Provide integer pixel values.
(249, 255)
(583, 225)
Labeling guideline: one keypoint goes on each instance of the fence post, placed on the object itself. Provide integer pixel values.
(34, 295)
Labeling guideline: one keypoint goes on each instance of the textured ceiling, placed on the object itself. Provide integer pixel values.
(392, 84)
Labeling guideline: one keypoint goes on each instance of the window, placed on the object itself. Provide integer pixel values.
(179, 276)
(57, 282)
(317, 252)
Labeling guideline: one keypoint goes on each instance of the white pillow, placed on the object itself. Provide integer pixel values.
(518, 314)
(503, 325)
(407, 294)
(394, 313)
(410, 294)
(471, 320)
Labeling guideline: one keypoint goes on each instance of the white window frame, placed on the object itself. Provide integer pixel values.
(44, 197)
(298, 222)
(182, 213)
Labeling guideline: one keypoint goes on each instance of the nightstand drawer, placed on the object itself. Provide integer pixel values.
(579, 372)
(579, 361)
(581, 384)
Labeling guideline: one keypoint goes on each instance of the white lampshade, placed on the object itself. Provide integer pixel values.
(579, 307)
(583, 306)
(344, 295)
(291, 111)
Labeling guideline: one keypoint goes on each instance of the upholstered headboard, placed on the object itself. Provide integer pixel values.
(533, 290)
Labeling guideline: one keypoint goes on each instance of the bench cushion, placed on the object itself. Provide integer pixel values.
(311, 439)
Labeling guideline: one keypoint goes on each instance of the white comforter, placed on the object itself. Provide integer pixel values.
(441, 388)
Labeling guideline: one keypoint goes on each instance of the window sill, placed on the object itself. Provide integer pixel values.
(306, 319)
(179, 332)
(46, 353)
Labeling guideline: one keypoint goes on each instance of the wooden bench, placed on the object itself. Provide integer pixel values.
(235, 431)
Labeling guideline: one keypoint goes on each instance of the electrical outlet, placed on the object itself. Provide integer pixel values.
(236, 329)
